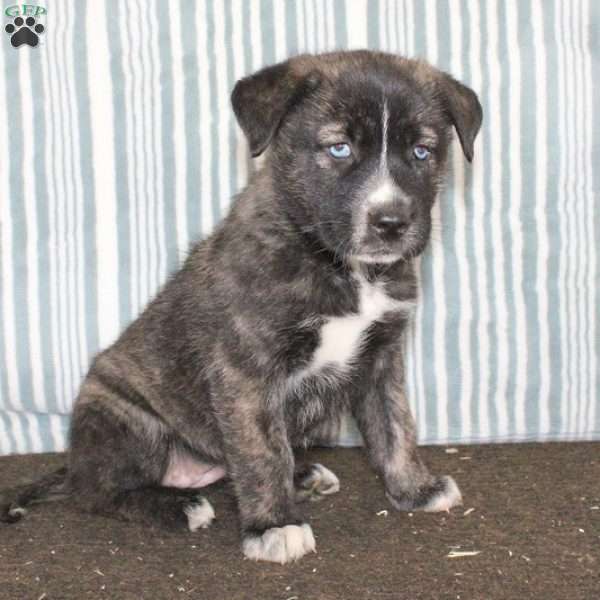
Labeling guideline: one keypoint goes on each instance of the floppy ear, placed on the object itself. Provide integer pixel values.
(261, 101)
(464, 110)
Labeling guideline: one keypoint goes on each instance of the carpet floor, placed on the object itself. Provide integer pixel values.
(530, 528)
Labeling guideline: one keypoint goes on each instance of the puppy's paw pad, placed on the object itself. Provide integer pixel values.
(447, 496)
(280, 544)
(317, 481)
(199, 514)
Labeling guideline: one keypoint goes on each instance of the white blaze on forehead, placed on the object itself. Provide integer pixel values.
(384, 139)
(385, 189)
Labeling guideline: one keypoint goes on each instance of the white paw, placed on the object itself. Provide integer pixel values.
(319, 482)
(445, 499)
(280, 544)
(17, 512)
(326, 481)
(200, 515)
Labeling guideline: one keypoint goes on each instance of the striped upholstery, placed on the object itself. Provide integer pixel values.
(118, 147)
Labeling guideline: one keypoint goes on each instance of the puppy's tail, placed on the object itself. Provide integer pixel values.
(46, 489)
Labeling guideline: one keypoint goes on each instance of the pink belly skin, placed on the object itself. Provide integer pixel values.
(186, 472)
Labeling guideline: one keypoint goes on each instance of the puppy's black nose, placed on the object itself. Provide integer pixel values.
(389, 226)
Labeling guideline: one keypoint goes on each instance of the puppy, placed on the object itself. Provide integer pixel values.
(289, 316)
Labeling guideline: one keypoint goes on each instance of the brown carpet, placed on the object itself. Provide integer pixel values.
(531, 514)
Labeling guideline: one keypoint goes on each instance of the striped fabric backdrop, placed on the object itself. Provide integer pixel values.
(118, 147)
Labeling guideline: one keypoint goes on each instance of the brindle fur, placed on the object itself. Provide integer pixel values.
(206, 369)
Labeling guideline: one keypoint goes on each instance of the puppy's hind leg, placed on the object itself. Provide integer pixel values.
(169, 508)
(314, 481)
(116, 469)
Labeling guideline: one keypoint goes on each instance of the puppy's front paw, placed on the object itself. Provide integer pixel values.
(447, 497)
(280, 544)
(442, 495)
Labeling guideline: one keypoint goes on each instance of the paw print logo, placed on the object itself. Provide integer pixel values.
(24, 31)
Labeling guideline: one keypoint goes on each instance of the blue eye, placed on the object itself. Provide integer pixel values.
(340, 150)
(421, 152)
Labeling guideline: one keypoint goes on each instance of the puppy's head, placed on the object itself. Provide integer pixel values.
(357, 146)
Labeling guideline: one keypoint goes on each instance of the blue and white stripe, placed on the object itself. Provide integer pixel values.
(118, 148)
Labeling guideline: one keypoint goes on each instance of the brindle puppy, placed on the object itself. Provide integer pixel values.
(288, 316)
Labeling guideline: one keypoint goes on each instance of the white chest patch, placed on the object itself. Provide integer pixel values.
(342, 337)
